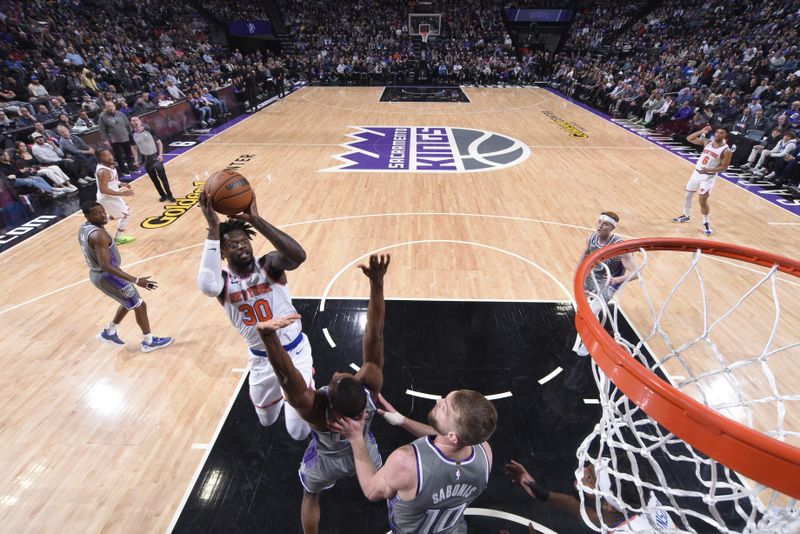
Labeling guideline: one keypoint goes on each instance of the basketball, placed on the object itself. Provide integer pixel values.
(229, 192)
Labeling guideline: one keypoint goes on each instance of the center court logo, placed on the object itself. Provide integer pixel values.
(428, 149)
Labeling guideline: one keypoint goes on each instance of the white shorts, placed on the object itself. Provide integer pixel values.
(115, 207)
(265, 391)
(701, 183)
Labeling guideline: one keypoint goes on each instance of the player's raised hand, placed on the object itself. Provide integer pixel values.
(706, 129)
(250, 214)
(208, 212)
(519, 475)
(389, 412)
(276, 323)
(378, 265)
(349, 428)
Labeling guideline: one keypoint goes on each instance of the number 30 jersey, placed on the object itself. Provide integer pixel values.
(257, 298)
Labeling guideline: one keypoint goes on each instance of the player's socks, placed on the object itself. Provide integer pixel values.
(147, 338)
(705, 219)
(112, 327)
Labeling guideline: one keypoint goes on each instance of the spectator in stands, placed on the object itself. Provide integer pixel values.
(48, 135)
(783, 148)
(77, 148)
(36, 89)
(761, 150)
(744, 122)
(174, 92)
(43, 113)
(9, 101)
(115, 132)
(48, 153)
(19, 178)
(26, 163)
(84, 122)
(122, 107)
(785, 168)
(220, 105)
(73, 57)
(5, 122)
(25, 118)
(88, 81)
(793, 115)
(143, 103)
(202, 111)
(89, 104)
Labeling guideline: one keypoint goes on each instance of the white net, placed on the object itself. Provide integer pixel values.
(724, 332)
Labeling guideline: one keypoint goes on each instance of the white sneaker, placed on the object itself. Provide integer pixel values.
(58, 193)
(770, 176)
(83, 181)
(90, 179)
(582, 351)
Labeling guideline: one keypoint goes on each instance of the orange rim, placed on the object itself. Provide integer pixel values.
(746, 451)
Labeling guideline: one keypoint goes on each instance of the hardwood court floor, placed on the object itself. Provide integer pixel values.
(94, 438)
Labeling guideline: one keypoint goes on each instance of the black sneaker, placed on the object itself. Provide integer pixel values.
(162, 198)
(171, 198)
(707, 229)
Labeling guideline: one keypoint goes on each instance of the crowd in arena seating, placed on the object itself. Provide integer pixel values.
(693, 63)
(63, 62)
(227, 10)
(368, 41)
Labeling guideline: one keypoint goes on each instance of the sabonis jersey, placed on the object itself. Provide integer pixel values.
(445, 488)
(254, 299)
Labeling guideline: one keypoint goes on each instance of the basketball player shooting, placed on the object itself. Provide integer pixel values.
(430, 482)
(604, 281)
(328, 457)
(253, 290)
(103, 260)
(715, 158)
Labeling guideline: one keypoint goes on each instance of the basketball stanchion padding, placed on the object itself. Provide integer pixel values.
(648, 419)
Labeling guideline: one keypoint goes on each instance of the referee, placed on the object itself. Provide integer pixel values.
(151, 148)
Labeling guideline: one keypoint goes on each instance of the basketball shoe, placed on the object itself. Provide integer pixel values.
(111, 339)
(707, 229)
(124, 239)
(157, 343)
(681, 219)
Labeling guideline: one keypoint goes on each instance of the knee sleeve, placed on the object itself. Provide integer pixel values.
(295, 425)
(267, 416)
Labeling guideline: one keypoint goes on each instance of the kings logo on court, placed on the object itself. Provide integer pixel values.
(427, 149)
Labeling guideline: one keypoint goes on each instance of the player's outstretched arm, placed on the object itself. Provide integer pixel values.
(288, 253)
(371, 372)
(100, 242)
(294, 386)
(398, 473)
(209, 277)
(393, 417)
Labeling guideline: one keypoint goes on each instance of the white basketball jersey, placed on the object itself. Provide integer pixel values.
(711, 156)
(657, 520)
(113, 183)
(255, 299)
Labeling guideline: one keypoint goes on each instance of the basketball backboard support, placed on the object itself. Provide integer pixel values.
(433, 21)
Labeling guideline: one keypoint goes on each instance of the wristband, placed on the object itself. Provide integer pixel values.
(541, 493)
(394, 418)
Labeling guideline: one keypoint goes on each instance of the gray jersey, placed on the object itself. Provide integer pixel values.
(332, 442)
(445, 488)
(615, 266)
(84, 232)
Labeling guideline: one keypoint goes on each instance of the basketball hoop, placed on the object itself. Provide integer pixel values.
(745, 479)
(424, 32)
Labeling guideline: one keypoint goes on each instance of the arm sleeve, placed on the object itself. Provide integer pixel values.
(209, 279)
